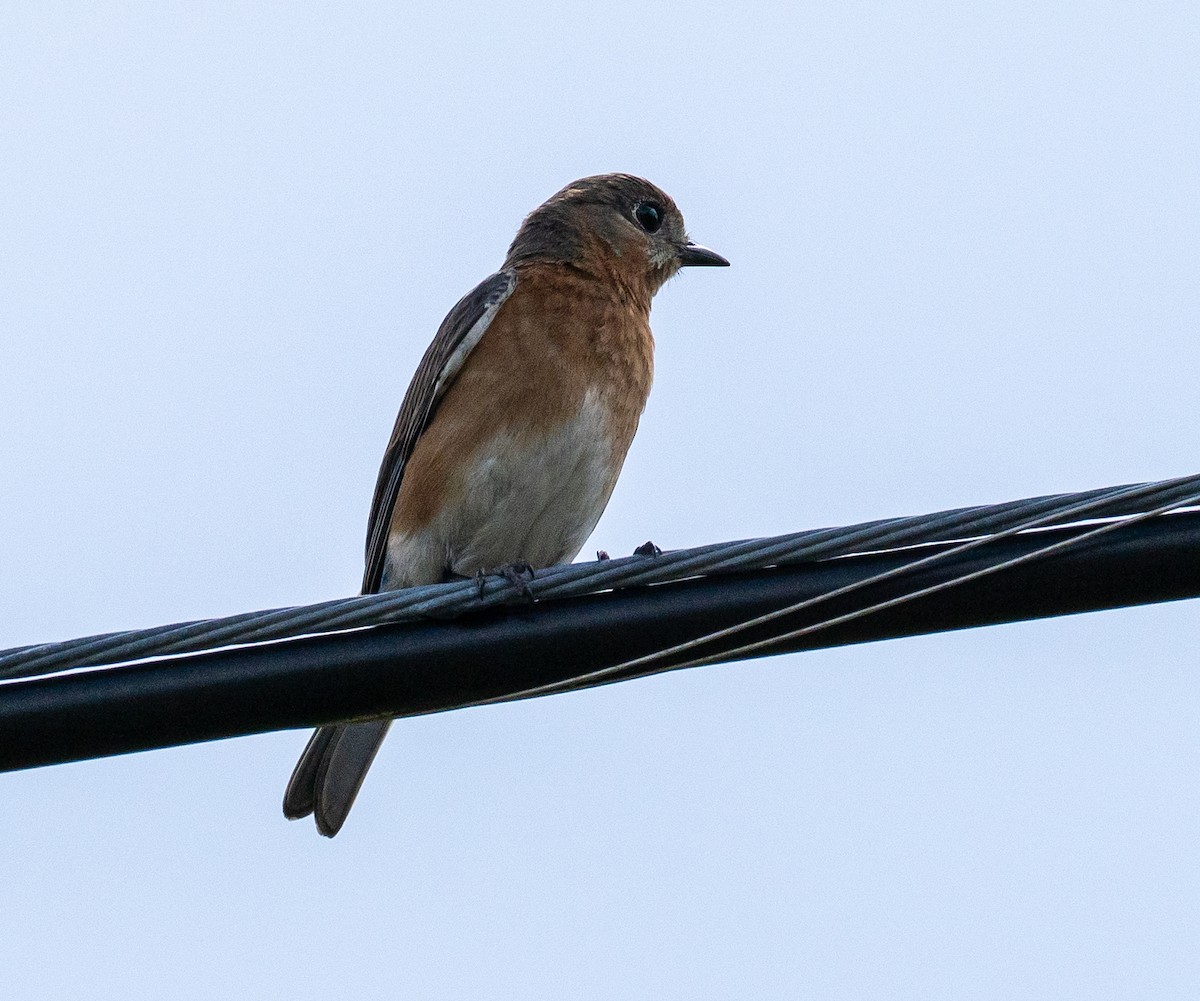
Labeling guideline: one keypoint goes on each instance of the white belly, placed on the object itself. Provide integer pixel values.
(533, 501)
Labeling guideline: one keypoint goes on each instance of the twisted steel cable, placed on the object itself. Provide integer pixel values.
(967, 526)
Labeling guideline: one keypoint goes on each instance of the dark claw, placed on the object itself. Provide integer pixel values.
(647, 549)
(519, 575)
(480, 582)
(602, 554)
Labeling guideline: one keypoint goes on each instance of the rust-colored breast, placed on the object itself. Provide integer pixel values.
(559, 336)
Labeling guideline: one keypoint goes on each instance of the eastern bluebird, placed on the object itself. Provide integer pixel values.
(516, 423)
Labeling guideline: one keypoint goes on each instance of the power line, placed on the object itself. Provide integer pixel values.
(455, 599)
(595, 623)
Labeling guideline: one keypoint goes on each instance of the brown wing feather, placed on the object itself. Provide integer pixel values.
(459, 333)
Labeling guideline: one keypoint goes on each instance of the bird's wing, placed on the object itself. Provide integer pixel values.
(460, 331)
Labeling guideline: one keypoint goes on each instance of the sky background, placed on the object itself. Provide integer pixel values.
(964, 242)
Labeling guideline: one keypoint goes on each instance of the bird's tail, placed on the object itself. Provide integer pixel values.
(330, 771)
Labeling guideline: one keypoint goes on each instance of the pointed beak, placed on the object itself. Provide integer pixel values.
(692, 255)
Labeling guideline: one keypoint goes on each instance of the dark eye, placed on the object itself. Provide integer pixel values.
(649, 217)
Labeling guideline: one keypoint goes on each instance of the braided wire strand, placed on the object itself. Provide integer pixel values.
(441, 601)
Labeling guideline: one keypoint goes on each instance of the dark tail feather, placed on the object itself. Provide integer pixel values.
(331, 771)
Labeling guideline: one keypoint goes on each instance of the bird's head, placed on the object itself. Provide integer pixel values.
(615, 226)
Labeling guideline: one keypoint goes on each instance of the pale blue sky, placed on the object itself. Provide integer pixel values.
(964, 242)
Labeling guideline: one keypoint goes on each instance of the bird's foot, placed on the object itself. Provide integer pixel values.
(602, 555)
(518, 574)
(647, 549)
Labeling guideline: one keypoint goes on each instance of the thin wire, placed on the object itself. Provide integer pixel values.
(629, 667)
(1061, 546)
(907, 568)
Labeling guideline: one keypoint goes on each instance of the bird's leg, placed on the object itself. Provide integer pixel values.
(647, 549)
(602, 554)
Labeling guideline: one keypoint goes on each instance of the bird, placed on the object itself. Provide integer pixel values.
(516, 423)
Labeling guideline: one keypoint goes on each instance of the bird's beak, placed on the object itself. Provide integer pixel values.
(692, 255)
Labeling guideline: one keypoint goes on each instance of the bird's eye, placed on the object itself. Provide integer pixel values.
(649, 216)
